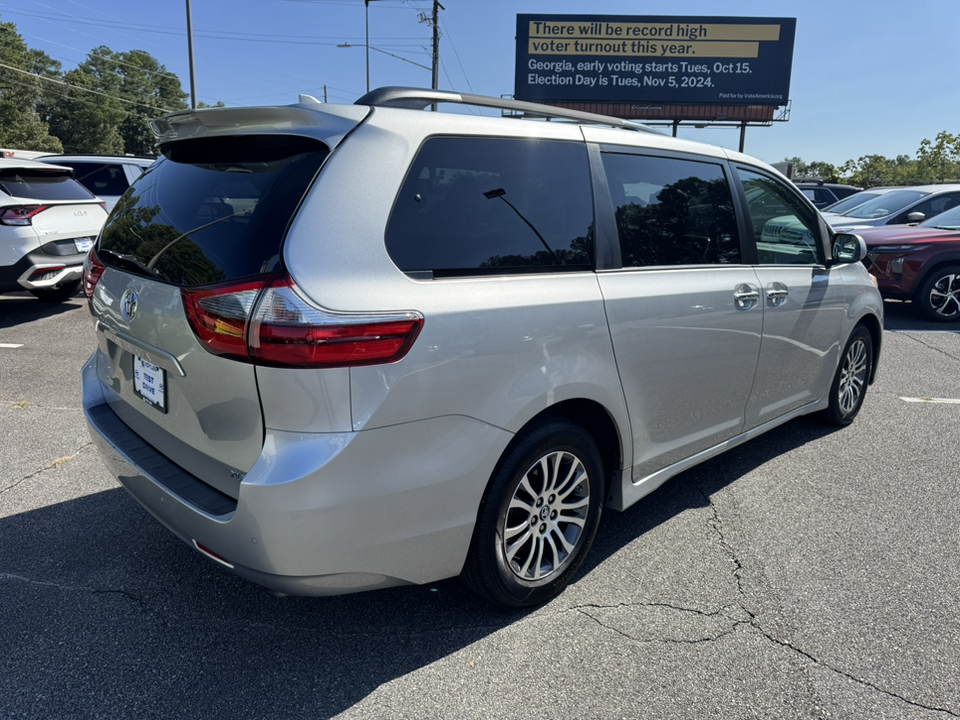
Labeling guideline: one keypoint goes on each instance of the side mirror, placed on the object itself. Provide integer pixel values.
(848, 248)
(916, 217)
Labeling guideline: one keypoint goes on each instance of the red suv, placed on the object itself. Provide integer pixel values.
(920, 263)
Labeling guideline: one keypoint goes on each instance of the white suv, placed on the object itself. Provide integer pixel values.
(343, 347)
(48, 222)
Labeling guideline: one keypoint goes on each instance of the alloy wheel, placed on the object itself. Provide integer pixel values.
(853, 376)
(546, 516)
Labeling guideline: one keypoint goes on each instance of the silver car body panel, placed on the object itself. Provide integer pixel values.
(337, 480)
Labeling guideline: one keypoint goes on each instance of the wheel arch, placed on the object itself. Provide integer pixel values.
(942, 262)
(595, 419)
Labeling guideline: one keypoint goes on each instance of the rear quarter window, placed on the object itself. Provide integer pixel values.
(487, 206)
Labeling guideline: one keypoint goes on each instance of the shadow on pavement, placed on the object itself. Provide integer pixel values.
(19, 308)
(106, 614)
(903, 317)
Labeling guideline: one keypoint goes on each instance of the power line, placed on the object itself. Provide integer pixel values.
(79, 87)
(213, 34)
(456, 54)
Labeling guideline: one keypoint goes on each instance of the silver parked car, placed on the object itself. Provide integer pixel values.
(898, 206)
(349, 347)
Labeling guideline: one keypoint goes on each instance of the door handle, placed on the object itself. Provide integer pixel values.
(746, 296)
(777, 294)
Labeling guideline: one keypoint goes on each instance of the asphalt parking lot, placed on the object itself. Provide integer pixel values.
(811, 573)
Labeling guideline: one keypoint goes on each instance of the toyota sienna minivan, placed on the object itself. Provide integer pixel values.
(345, 347)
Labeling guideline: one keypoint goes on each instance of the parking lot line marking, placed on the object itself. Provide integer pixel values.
(12, 346)
(942, 401)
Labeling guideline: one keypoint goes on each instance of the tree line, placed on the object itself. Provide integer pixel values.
(937, 161)
(103, 105)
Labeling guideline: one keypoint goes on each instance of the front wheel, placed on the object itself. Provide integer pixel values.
(939, 296)
(538, 517)
(850, 383)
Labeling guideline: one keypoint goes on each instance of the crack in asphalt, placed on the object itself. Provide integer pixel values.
(55, 464)
(917, 338)
(140, 601)
(716, 523)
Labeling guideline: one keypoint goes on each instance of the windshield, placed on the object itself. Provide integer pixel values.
(887, 204)
(848, 203)
(212, 210)
(949, 220)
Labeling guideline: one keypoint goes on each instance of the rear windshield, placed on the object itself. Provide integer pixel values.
(42, 185)
(212, 209)
(848, 203)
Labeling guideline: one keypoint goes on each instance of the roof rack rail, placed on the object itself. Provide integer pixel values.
(420, 98)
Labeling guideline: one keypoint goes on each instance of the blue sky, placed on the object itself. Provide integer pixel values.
(867, 77)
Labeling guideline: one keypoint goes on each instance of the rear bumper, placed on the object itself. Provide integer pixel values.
(320, 513)
(38, 270)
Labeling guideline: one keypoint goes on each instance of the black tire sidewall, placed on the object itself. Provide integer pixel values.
(499, 583)
(834, 413)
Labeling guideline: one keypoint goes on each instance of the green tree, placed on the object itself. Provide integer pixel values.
(21, 93)
(111, 100)
(938, 160)
(84, 121)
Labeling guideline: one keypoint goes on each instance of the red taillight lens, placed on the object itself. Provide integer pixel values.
(92, 270)
(220, 314)
(268, 322)
(20, 214)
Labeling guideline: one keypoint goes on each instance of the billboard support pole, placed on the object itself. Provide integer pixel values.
(743, 135)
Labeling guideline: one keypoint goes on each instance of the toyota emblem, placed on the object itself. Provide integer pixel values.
(128, 305)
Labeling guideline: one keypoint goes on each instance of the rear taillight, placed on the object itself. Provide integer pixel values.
(20, 214)
(92, 270)
(269, 322)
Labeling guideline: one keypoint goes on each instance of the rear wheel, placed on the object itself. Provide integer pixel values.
(850, 383)
(939, 296)
(58, 293)
(538, 517)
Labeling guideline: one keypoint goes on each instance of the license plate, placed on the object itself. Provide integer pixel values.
(83, 244)
(149, 382)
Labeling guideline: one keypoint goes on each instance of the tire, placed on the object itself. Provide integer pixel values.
(939, 295)
(538, 517)
(58, 293)
(850, 383)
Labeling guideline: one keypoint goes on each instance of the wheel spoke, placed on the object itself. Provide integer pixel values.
(512, 548)
(538, 563)
(567, 546)
(511, 532)
(582, 502)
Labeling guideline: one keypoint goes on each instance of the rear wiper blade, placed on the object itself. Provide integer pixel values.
(125, 263)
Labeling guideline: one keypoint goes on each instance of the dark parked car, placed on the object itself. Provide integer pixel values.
(822, 193)
(920, 263)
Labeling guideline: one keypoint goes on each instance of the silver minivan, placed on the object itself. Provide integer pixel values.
(350, 347)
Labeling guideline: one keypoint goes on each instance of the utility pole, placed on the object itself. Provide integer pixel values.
(193, 76)
(437, 7)
(434, 21)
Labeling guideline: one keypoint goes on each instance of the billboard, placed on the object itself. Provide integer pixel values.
(654, 60)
